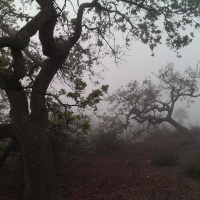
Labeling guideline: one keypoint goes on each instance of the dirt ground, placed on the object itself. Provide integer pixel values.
(120, 175)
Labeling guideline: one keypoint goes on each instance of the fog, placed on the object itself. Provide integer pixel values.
(140, 63)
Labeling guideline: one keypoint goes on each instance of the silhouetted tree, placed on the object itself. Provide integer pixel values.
(153, 103)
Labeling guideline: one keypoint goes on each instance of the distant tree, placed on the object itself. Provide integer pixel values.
(180, 114)
(152, 103)
(72, 38)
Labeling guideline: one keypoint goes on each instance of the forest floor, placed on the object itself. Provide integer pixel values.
(118, 175)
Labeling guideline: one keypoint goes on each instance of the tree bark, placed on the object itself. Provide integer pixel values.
(39, 171)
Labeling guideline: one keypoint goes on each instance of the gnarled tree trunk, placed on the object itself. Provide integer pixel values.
(184, 130)
(29, 115)
(30, 131)
(39, 172)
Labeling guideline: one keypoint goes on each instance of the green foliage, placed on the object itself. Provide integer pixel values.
(68, 119)
(192, 167)
(85, 126)
(3, 144)
(164, 158)
(68, 132)
(67, 146)
(105, 88)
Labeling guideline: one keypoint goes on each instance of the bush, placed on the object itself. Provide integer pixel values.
(106, 142)
(192, 167)
(67, 147)
(164, 158)
(195, 130)
(185, 142)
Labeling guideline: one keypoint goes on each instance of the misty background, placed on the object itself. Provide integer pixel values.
(139, 63)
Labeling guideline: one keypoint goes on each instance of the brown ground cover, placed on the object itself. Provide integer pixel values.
(124, 174)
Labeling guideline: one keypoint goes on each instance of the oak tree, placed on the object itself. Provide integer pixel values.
(153, 103)
(71, 38)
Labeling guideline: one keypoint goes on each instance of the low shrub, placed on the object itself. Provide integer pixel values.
(192, 167)
(185, 142)
(67, 147)
(195, 130)
(106, 142)
(164, 158)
